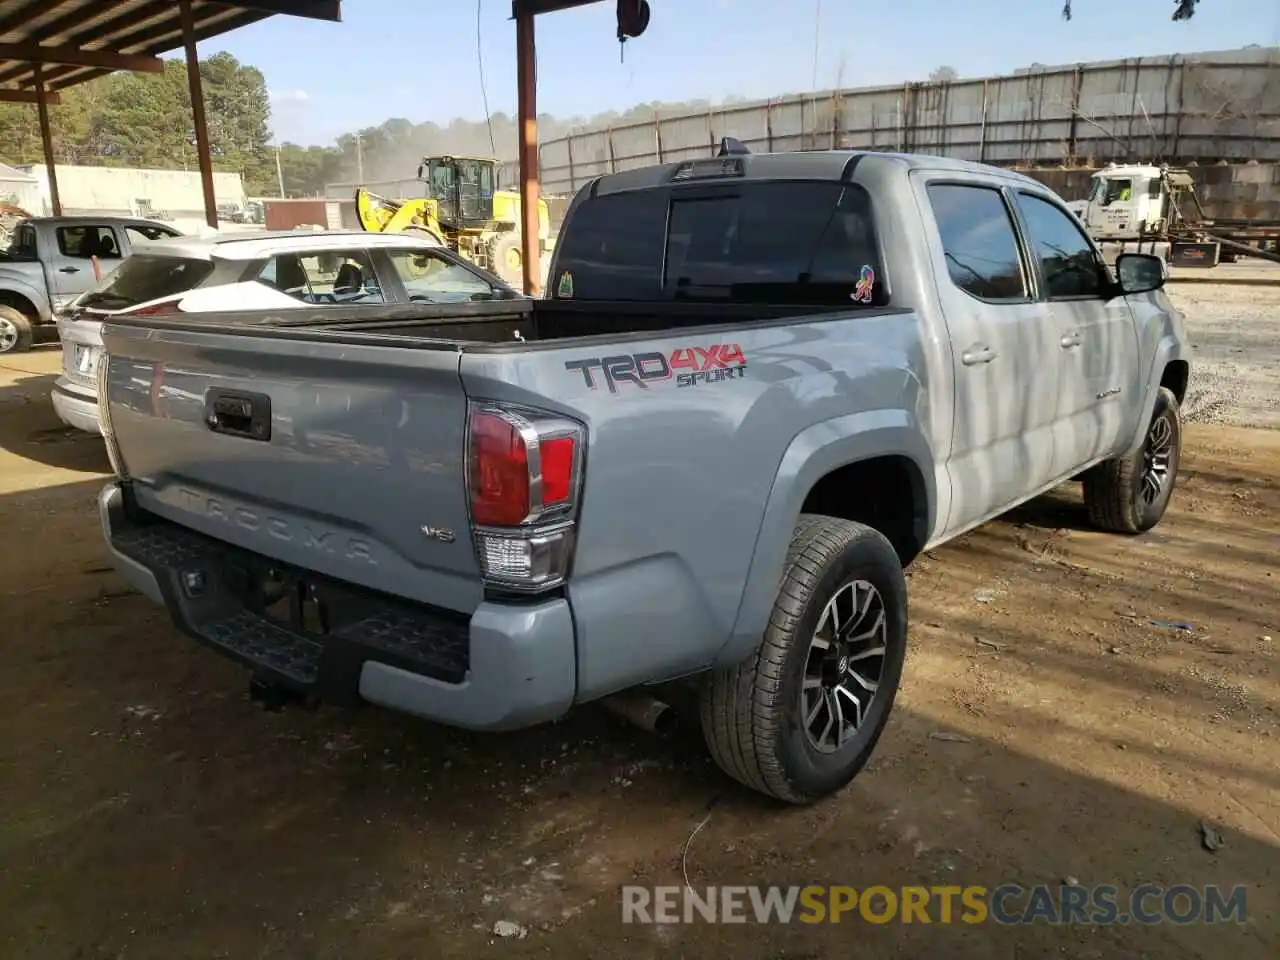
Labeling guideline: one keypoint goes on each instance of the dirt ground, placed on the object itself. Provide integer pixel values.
(1075, 705)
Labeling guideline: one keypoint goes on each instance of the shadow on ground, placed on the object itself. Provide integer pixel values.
(31, 430)
(152, 811)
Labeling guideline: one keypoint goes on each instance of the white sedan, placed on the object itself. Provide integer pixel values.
(342, 270)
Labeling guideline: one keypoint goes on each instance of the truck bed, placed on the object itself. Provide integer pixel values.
(478, 326)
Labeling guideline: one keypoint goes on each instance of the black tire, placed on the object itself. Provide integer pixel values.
(752, 713)
(16, 331)
(499, 254)
(1114, 489)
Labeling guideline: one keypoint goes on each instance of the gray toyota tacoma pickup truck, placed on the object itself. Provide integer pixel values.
(759, 386)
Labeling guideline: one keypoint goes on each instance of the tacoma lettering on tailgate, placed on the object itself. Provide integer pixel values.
(690, 366)
(307, 536)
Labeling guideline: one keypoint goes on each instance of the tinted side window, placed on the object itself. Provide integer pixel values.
(978, 241)
(611, 248)
(137, 233)
(326, 277)
(432, 278)
(23, 245)
(86, 242)
(1067, 260)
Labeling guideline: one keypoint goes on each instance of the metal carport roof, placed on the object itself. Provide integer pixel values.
(76, 40)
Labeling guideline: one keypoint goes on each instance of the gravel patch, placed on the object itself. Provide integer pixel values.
(1235, 352)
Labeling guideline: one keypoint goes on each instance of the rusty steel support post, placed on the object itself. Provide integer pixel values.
(203, 153)
(527, 95)
(46, 139)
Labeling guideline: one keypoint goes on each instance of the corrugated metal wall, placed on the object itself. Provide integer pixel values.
(1199, 108)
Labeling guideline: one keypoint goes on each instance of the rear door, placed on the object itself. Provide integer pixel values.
(1097, 343)
(71, 269)
(1005, 358)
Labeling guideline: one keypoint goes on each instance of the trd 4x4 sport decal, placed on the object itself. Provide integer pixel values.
(691, 367)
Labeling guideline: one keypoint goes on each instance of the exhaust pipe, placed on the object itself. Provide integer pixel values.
(642, 710)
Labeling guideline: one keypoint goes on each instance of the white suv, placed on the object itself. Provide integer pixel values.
(340, 270)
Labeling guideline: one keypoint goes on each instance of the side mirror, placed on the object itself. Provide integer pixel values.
(422, 170)
(1139, 273)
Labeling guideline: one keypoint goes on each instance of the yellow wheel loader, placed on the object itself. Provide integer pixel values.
(461, 209)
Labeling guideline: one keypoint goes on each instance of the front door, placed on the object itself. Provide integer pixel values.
(71, 270)
(1004, 355)
(1096, 336)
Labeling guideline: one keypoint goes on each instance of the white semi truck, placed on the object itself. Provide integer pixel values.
(1155, 209)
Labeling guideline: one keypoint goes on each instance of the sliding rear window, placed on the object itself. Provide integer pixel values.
(752, 241)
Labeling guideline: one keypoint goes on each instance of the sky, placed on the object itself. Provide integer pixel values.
(417, 59)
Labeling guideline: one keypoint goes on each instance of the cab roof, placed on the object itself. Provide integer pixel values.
(258, 244)
(831, 165)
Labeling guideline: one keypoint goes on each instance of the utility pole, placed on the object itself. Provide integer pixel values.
(359, 159)
(279, 173)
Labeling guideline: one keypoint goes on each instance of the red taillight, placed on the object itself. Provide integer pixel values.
(503, 491)
(523, 478)
(557, 470)
(499, 472)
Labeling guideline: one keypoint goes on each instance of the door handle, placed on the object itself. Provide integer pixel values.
(977, 355)
(246, 415)
(68, 269)
(1070, 340)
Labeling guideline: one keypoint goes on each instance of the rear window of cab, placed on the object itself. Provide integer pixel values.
(778, 242)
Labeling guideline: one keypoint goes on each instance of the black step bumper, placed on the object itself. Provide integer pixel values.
(504, 667)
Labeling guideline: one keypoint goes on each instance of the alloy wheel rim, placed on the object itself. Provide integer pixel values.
(844, 666)
(1157, 460)
(8, 335)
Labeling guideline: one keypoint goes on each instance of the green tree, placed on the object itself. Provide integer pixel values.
(144, 120)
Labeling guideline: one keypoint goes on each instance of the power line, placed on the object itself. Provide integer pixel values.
(484, 93)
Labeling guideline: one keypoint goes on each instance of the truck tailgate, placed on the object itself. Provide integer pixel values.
(337, 457)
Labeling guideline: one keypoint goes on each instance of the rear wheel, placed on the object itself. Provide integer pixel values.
(1131, 494)
(800, 717)
(507, 259)
(16, 332)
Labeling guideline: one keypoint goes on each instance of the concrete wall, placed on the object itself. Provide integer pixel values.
(117, 191)
(1200, 108)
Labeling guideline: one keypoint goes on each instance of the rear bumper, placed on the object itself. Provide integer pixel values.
(76, 406)
(507, 667)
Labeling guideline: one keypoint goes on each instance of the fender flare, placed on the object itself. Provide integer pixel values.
(39, 298)
(811, 455)
(1167, 351)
